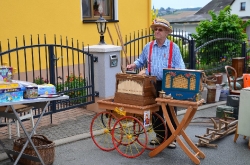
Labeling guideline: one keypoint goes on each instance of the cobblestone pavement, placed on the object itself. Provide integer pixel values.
(64, 124)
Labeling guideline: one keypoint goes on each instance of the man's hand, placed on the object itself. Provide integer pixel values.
(131, 66)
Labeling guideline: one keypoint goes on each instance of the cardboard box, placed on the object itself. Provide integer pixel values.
(6, 85)
(11, 95)
(6, 73)
(46, 89)
(31, 92)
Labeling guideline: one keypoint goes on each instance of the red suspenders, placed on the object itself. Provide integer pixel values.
(149, 57)
(150, 53)
(170, 54)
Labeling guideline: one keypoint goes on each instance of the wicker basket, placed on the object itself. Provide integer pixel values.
(45, 147)
(211, 80)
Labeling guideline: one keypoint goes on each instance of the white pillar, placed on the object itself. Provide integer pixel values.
(104, 69)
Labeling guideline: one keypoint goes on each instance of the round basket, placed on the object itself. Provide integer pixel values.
(45, 147)
(211, 80)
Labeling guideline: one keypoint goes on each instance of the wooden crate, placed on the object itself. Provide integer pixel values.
(183, 84)
(135, 89)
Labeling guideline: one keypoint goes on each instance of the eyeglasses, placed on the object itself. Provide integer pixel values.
(158, 29)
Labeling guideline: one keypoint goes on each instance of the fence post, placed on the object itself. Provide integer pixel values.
(243, 54)
(192, 58)
(52, 76)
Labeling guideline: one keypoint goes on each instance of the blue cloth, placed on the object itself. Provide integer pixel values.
(159, 58)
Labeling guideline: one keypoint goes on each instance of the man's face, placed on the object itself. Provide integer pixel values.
(160, 32)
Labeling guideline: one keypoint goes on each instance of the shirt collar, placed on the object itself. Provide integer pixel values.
(166, 43)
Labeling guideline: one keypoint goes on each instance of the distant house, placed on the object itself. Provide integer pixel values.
(171, 10)
(189, 23)
(242, 9)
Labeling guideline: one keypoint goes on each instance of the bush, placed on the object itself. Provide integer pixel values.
(223, 25)
(40, 80)
(74, 88)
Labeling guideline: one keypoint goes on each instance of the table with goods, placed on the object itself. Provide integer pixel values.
(15, 92)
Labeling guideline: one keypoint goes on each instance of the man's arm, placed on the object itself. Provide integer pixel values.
(141, 61)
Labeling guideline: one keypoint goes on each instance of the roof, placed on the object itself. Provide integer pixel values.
(215, 6)
(202, 14)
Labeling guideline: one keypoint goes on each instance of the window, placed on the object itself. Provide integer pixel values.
(243, 6)
(91, 9)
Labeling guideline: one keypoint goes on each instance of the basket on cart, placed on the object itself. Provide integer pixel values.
(45, 147)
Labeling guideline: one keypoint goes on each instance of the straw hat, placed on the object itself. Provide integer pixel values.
(163, 23)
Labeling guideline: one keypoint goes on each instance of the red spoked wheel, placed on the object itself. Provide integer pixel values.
(127, 139)
(100, 129)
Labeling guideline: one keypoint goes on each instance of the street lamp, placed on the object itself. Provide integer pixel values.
(101, 27)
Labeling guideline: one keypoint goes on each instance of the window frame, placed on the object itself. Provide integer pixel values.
(242, 8)
(113, 16)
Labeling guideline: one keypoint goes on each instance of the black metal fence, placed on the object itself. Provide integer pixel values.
(211, 56)
(218, 50)
(63, 63)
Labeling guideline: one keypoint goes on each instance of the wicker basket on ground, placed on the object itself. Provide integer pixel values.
(211, 80)
(45, 147)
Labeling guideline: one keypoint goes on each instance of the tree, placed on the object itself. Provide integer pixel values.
(162, 9)
(221, 25)
(154, 14)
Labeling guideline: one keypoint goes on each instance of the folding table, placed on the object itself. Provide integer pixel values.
(180, 130)
(37, 103)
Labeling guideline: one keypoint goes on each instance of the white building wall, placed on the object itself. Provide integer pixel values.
(191, 28)
(236, 8)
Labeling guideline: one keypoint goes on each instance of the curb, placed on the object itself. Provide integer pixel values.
(71, 139)
(202, 107)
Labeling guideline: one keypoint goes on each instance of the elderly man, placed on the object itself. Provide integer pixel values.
(160, 53)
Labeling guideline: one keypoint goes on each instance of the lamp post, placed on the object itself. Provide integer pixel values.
(101, 27)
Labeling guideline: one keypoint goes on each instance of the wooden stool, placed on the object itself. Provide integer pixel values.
(20, 109)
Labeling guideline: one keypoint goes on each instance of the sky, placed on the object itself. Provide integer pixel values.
(178, 4)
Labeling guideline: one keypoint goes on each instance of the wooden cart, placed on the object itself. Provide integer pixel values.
(122, 127)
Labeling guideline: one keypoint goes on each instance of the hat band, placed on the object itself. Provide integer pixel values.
(161, 23)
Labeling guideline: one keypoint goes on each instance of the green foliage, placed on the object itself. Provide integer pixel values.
(222, 24)
(183, 47)
(73, 87)
(40, 80)
(154, 14)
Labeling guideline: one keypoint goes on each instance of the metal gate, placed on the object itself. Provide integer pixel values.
(214, 55)
(67, 66)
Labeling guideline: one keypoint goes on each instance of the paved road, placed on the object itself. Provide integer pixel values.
(84, 152)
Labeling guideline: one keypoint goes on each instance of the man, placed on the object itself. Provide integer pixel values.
(157, 55)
